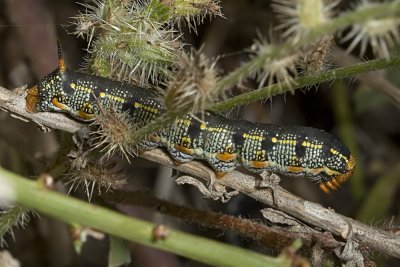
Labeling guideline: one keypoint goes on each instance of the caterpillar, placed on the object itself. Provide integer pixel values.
(223, 143)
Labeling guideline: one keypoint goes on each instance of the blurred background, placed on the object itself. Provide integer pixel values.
(363, 116)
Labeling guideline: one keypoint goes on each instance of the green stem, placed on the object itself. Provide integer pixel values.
(305, 81)
(34, 195)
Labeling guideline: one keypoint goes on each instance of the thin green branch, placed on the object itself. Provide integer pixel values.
(35, 195)
(304, 81)
(270, 237)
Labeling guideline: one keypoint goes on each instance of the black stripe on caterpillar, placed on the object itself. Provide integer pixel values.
(223, 143)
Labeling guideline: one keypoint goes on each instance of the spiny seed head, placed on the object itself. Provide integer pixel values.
(133, 43)
(100, 15)
(192, 83)
(380, 34)
(279, 70)
(113, 134)
(10, 218)
(140, 57)
(93, 176)
(316, 57)
(192, 11)
(297, 17)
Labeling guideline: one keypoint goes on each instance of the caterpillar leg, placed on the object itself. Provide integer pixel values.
(216, 191)
(268, 181)
(220, 175)
(181, 154)
(332, 184)
(222, 163)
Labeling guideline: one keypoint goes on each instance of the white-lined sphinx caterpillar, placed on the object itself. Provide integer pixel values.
(223, 143)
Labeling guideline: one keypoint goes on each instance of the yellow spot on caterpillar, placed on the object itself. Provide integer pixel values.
(284, 141)
(203, 126)
(211, 129)
(185, 122)
(81, 88)
(335, 152)
(115, 98)
(254, 137)
(102, 94)
(72, 85)
(186, 139)
(137, 105)
(306, 144)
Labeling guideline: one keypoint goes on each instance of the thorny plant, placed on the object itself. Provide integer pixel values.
(15, 217)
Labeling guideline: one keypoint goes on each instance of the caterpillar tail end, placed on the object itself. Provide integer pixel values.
(32, 99)
(335, 182)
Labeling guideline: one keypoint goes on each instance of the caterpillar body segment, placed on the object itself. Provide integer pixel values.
(223, 143)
